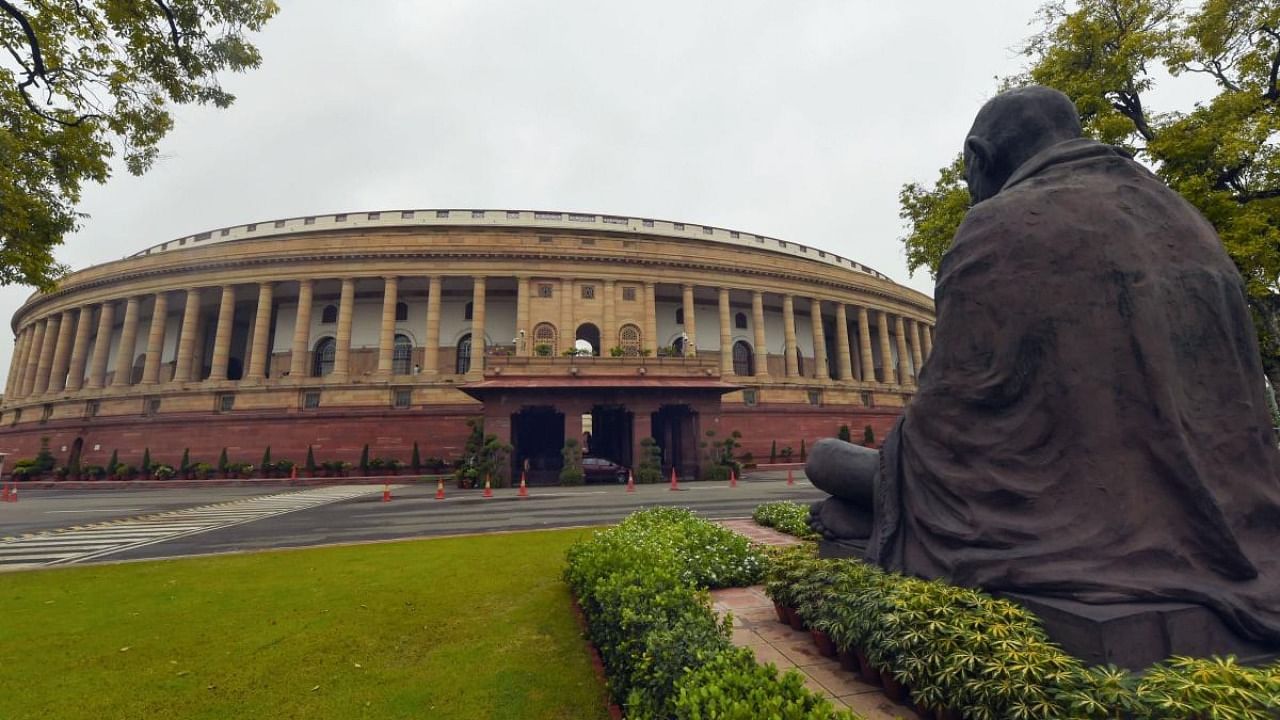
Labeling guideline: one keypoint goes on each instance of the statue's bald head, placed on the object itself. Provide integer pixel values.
(1010, 129)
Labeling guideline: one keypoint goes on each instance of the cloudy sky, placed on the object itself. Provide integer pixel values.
(794, 120)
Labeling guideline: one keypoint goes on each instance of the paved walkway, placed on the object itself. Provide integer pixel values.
(755, 625)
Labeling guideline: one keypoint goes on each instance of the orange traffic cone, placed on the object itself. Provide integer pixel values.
(631, 482)
(4, 494)
(488, 489)
(13, 494)
(790, 480)
(524, 489)
(733, 478)
(440, 489)
(675, 482)
(386, 493)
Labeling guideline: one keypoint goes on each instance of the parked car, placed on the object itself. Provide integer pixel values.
(598, 469)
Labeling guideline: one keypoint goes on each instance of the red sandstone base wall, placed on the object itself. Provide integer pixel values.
(788, 425)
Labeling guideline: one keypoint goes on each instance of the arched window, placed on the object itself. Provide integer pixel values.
(590, 333)
(402, 312)
(629, 340)
(329, 314)
(401, 355)
(744, 360)
(322, 360)
(463, 364)
(740, 321)
(466, 311)
(544, 336)
(679, 316)
(678, 345)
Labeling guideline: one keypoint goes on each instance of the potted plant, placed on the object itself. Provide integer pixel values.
(163, 472)
(203, 470)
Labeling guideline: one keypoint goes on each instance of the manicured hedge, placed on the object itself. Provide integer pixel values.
(785, 516)
(642, 587)
(963, 651)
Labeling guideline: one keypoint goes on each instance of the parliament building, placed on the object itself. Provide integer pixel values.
(395, 327)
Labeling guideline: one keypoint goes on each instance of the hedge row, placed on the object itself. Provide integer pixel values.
(642, 587)
(785, 516)
(964, 653)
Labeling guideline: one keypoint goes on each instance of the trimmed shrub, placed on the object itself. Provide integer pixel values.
(785, 516)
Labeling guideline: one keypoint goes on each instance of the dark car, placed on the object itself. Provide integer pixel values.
(598, 469)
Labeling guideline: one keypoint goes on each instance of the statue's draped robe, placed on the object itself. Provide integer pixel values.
(1092, 422)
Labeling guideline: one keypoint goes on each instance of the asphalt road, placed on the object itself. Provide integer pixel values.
(413, 512)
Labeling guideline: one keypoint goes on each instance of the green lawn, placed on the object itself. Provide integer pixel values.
(475, 627)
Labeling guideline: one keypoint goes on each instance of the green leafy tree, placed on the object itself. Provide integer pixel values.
(773, 452)
(222, 461)
(87, 79)
(146, 460)
(266, 459)
(1221, 154)
(185, 465)
(311, 460)
(843, 434)
(868, 436)
(571, 472)
(415, 460)
(115, 460)
(650, 470)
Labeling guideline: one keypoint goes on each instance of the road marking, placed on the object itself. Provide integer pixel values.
(90, 542)
(103, 510)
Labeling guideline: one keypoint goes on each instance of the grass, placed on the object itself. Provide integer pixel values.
(471, 627)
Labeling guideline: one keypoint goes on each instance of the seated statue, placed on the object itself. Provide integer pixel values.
(1092, 423)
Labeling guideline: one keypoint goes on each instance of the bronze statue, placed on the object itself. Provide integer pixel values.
(1091, 424)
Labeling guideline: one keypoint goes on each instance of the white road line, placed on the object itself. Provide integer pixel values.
(103, 510)
(81, 544)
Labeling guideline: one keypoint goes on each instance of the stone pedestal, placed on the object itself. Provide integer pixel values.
(1136, 635)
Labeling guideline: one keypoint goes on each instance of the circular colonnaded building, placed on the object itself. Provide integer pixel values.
(390, 328)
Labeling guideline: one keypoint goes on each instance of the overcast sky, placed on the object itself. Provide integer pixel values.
(795, 120)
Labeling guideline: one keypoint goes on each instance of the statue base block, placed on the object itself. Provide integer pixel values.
(856, 549)
(1136, 635)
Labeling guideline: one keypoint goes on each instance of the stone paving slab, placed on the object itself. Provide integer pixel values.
(759, 534)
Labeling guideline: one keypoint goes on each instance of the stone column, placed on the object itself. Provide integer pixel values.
(926, 334)
(524, 333)
(789, 335)
(387, 331)
(567, 329)
(690, 322)
(261, 351)
(886, 355)
(128, 341)
(222, 336)
(726, 334)
(33, 357)
(609, 335)
(155, 340)
(62, 353)
(16, 364)
(431, 343)
(916, 355)
(757, 324)
(102, 346)
(864, 346)
(80, 349)
(651, 317)
(187, 337)
(342, 349)
(845, 357)
(52, 328)
(301, 332)
(904, 357)
(821, 370)
(476, 371)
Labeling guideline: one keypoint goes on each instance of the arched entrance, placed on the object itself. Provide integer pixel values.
(590, 333)
(744, 360)
(462, 365)
(537, 436)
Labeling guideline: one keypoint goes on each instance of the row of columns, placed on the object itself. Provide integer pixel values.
(51, 355)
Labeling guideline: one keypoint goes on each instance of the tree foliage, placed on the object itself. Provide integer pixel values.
(1221, 154)
(82, 81)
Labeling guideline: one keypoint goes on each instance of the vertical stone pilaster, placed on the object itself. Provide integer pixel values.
(387, 330)
(342, 350)
(102, 345)
(864, 346)
(609, 335)
(155, 340)
(690, 322)
(301, 331)
(651, 317)
(821, 369)
(757, 322)
(917, 355)
(926, 334)
(789, 335)
(888, 375)
(524, 333)
(478, 288)
(80, 349)
(62, 352)
(261, 350)
(845, 357)
(726, 334)
(431, 343)
(568, 331)
(52, 329)
(128, 343)
(222, 336)
(904, 355)
(19, 348)
(33, 357)
(187, 336)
